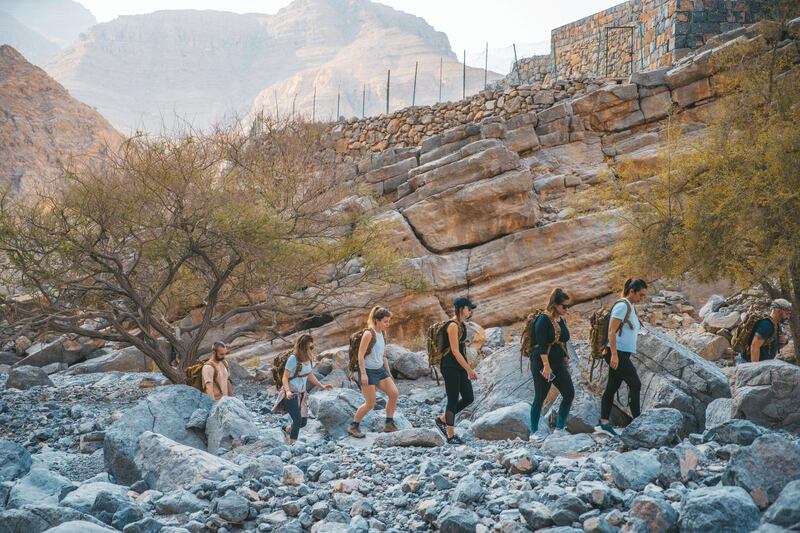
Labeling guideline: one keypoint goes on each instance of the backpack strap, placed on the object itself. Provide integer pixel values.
(627, 319)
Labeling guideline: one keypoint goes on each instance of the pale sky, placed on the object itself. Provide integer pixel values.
(468, 23)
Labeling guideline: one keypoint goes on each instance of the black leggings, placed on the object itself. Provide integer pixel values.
(459, 392)
(626, 372)
(298, 421)
(541, 387)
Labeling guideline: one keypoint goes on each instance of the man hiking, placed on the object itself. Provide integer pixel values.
(216, 378)
(768, 337)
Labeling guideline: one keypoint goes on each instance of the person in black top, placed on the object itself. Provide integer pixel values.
(550, 361)
(457, 373)
(767, 335)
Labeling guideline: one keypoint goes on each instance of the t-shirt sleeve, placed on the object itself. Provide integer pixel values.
(208, 374)
(764, 329)
(619, 311)
(291, 364)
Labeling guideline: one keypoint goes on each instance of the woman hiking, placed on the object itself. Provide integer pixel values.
(623, 331)
(457, 373)
(293, 396)
(373, 371)
(550, 361)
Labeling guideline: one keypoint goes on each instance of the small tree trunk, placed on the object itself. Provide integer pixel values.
(793, 295)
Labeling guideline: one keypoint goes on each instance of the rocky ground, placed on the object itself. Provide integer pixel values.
(126, 451)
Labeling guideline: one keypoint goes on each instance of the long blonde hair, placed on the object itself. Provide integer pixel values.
(376, 314)
(557, 297)
(301, 350)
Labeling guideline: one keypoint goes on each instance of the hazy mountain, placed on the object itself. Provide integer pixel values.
(141, 72)
(33, 44)
(42, 125)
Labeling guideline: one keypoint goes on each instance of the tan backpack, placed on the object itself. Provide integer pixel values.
(355, 343)
(438, 345)
(743, 335)
(598, 333)
(279, 367)
(194, 374)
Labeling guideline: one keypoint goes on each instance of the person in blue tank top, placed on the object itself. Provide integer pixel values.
(373, 371)
(623, 331)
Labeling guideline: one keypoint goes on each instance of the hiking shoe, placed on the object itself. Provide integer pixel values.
(560, 432)
(455, 439)
(441, 426)
(607, 429)
(353, 430)
(389, 427)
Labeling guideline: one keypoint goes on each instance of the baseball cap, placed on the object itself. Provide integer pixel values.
(458, 303)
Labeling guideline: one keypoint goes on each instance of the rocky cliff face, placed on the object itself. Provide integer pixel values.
(42, 125)
(170, 68)
(39, 30)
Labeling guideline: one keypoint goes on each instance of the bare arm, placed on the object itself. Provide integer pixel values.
(755, 348)
(362, 350)
(285, 380)
(208, 381)
(314, 381)
(614, 326)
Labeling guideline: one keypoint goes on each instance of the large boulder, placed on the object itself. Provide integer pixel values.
(719, 411)
(24, 377)
(508, 422)
(63, 350)
(411, 365)
(79, 526)
(654, 428)
(767, 393)
(15, 461)
(728, 509)
(82, 499)
(568, 445)
(651, 515)
(785, 512)
(671, 376)
(719, 320)
(334, 409)
(39, 486)
(423, 437)
(634, 469)
(37, 518)
(708, 345)
(736, 431)
(167, 465)
(228, 421)
(764, 468)
(166, 412)
(129, 359)
(584, 413)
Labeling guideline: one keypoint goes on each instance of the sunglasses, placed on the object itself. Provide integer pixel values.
(565, 306)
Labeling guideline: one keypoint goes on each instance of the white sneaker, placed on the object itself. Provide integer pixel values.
(560, 432)
(606, 429)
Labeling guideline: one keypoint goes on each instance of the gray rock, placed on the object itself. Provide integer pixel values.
(596, 493)
(423, 437)
(334, 409)
(584, 413)
(537, 515)
(79, 526)
(568, 445)
(679, 463)
(651, 515)
(634, 469)
(233, 507)
(741, 432)
(727, 509)
(654, 428)
(9, 358)
(146, 525)
(198, 420)
(265, 465)
(15, 461)
(719, 411)
(508, 422)
(709, 346)
(567, 508)
(228, 420)
(158, 459)
(128, 359)
(37, 487)
(24, 377)
(785, 512)
(494, 339)
(671, 376)
(180, 502)
(520, 462)
(165, 412)
(764, 468)
(38, 518)
(117, 510)
(457, 520)
(412, 365)
(713, 304)
(766, 393)
(292, 475)
(468, 490)
(82, 499)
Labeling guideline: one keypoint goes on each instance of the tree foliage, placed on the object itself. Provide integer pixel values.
(222, 225)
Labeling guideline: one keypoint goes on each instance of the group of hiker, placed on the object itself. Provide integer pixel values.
(613, 340)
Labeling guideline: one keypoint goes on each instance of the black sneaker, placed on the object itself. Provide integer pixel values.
(455, 439)
(441, 426)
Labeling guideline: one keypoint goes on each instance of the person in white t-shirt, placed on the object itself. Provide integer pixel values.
(623, 331)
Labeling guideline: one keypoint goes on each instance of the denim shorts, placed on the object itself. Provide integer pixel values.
(374, 376)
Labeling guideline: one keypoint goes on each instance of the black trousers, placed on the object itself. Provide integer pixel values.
(458, 388)
(541, 387)
(293, 408)
(626, 372)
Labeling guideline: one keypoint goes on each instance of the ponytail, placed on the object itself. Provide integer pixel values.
(633, 285)
(376, 314)
(557, 297)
